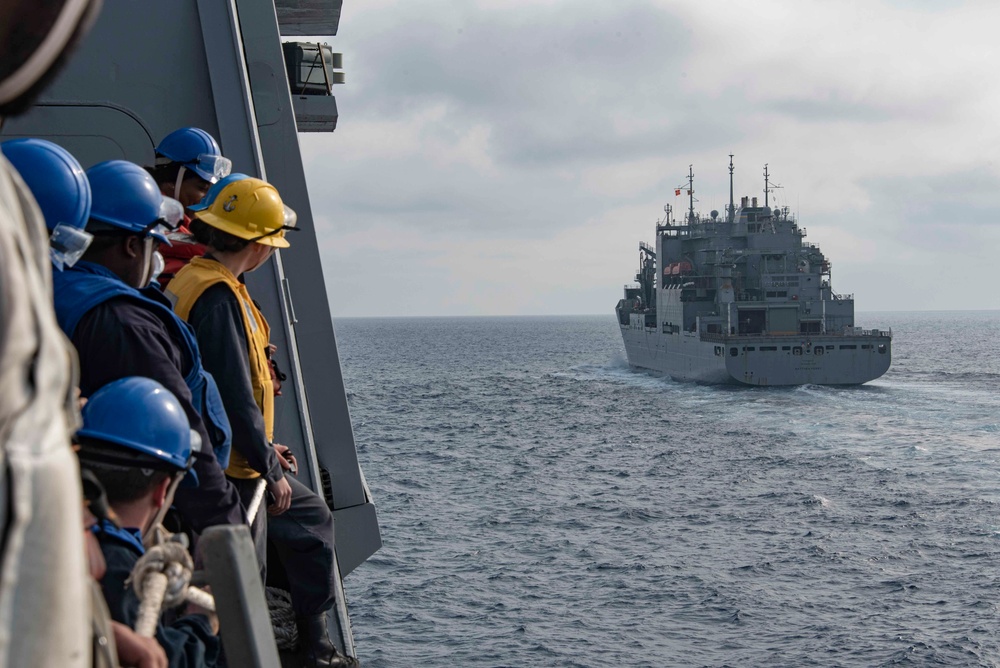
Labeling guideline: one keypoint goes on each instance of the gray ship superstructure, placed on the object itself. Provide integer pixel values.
(742, 298)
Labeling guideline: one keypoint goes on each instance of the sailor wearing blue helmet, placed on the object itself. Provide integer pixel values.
(128, 204)
(121, 327)
(188, 163)
(137, 442)
(196, 152)
(135, 427)
(61, 189)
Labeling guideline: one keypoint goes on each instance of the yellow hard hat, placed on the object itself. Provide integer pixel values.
(250, 209)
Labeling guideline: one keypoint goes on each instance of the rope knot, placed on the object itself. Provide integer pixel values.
(171, 560)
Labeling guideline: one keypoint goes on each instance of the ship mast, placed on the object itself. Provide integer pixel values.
(691, 194)
(732, 205)
(766, 188)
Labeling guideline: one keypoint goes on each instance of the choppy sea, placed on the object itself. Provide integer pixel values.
(541, 504)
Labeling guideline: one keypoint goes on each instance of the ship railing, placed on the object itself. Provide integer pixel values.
(852, 332)
(858, 331)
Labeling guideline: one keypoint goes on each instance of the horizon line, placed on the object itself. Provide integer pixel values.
(612, 315)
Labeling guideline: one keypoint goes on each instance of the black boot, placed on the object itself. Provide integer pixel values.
(315, 648)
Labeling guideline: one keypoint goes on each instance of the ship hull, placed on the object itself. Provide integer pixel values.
(759, 360)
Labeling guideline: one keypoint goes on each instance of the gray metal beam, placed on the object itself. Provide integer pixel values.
(244, 620)
(317, 345)
(308, 17)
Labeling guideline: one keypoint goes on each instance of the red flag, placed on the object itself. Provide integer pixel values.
(677, 191)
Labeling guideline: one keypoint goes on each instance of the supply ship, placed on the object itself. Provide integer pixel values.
(741, 298)
(243, 71)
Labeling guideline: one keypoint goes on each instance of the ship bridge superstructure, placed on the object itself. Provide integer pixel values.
(751, 275)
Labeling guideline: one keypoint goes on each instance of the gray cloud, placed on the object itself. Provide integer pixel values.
(926, 5)
(832, 108)
(521, 59)
(552, 83)
(506, 158)
(942, 214)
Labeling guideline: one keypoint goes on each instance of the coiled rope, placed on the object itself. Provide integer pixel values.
(286, 631)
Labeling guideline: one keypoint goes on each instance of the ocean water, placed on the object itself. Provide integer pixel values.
(541, 504)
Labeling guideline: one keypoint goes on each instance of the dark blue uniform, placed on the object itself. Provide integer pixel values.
(129, 335)
(188, 641)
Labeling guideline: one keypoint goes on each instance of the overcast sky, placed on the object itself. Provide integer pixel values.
(499, 157)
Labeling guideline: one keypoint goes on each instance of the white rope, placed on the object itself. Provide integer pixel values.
(200, 597)
(161, 576)
(161, 579)
(154, 586)
(258, 496)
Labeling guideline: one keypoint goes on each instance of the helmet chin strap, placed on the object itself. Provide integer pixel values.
(147, 261)
(151, 534)
(178, 182)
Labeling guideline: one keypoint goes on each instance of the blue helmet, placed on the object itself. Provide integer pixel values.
(62, 191)
(145, 420)
(214, 191)
(196, 150)
(126, 196)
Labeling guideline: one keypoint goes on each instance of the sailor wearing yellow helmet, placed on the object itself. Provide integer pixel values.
(241, 221)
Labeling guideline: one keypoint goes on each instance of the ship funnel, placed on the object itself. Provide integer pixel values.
(754, 203)
(743, 201)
